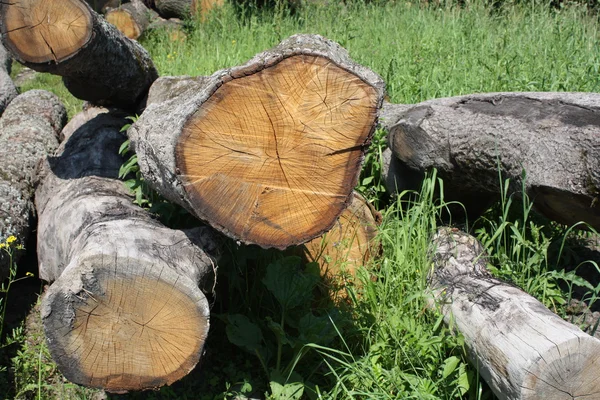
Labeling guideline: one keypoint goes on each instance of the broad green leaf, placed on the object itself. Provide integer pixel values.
(290, 286)
(318, 330)
(450, 365)
(286, 389)
(243, 333)
(277, 329)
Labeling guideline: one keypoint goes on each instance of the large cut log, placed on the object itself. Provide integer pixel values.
(521, 349)
(268, 152)
(173, 8)
(28, 132)
(553, 137)
(96, 61)
(203, 7)
(101, 6)
(8, 91)
(131, 19)
(127, 309)
(349, 245)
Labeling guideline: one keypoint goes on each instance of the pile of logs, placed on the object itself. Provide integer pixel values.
(266, 153)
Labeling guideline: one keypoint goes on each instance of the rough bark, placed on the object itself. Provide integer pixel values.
(96, 61)
(349, 245)
(521, 349)
(131, 19)
(8, 91)
(173, 8)
(28, 132)
(268, 152)
(127, 309)
(100, 6)
(553, 137)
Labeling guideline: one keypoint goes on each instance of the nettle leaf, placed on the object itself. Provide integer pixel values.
(318, 330)
(291, 388)
(243, 333)
(288, 283)
(450, 365)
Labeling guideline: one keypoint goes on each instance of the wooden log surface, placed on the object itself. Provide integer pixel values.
(127, 309)
(521, 349)
(28, 132)
(8, 91)
(268, 152)
(96, 61)
(131, 19)
(100, 6)
(553, 137)
(173, 8)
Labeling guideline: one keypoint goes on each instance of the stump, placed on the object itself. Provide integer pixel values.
(28, 132)
(268, 152)
(96, 61)
(127, 309)
(521, 349)
(8, 91)
(553, 137)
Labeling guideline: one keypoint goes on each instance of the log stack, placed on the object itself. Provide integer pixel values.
(128, 308)
(280, 140)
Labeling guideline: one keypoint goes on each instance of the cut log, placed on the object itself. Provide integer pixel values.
(8, 91)
(203, 7)
(268, 152)
(127, 309)
(553, 137)
(173, 8)
(521, 349)
(349, 245)
(131, 19)
(101, 6)
(28, 132)
(96, 61)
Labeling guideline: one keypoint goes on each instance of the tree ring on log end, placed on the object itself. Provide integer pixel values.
(273, 157)
(125, 22)
(42, 31)
(127, 332)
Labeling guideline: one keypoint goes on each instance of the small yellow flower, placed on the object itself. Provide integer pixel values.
(29, 274)
(233, 42)
(3, 245)
(11, 239)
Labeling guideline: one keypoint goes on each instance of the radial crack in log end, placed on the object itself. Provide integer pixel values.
(273, 156)
(42, 31)
(126, 332)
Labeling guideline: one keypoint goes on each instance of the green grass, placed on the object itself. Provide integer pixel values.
(388, 345)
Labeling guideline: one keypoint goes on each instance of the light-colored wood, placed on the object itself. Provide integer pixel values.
(69, 39)
(203, 7)
(349, 245)
(29, 131)
(269, 152)
(42, 31)
(521, 349)
(131, 19)
(127, 309)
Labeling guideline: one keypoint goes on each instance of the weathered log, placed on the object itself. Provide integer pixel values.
(28, 132)
(173, 8)
(202, 7)
(8, 91)
(521, 349)
(100, 6)
(553, 137)
(96, 61)
(349, 245)
(268, 152)
(131, 19)
(127, 309)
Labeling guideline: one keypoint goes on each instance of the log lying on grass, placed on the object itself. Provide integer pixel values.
(268, 152)
(554, 137)
(521, 349)
(349, 245)
(8, 91)
(127, 309)
(173, 8)
(28, 132)
(100, 6)
(96, 61)
(131, 19)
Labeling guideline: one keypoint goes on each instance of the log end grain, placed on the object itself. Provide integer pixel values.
(43, 31)
(291, 138)
(124, 325)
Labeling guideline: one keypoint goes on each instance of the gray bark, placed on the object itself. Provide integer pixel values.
(91, 233)
(28, 132)
(553, 137)
(521, 349)
(101, 6)
(109, 70)
(156, 134)
(173, 8)
(8, 91)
